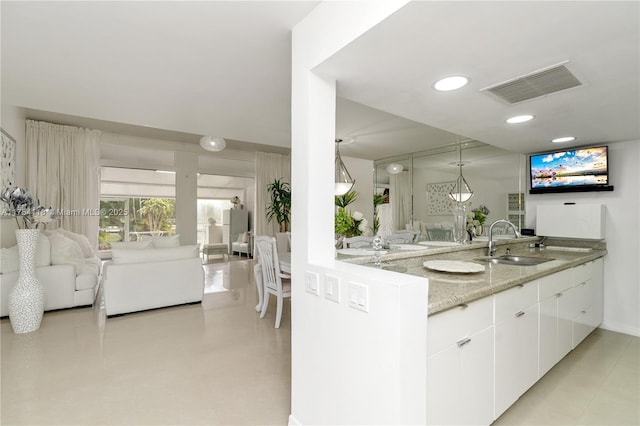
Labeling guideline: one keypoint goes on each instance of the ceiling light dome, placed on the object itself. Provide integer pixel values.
(451, 83)
(394, 168)
(212, 143)
(519, 118)
(563, 139)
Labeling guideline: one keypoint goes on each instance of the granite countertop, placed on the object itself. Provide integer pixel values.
(447, 290)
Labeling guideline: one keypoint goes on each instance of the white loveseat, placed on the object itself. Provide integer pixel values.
(147, 277)
(65, 265)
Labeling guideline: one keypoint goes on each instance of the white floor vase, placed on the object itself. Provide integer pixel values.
(26, 300)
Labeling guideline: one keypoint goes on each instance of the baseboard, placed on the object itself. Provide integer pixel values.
(293, 421)
(620, 328)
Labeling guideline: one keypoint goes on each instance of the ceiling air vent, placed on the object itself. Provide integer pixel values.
(538, 83)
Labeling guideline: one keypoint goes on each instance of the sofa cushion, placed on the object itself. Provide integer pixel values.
(87, 278)
(65, 251)
(121, 256)
(131, 245)
(163, 242)
(82, 241)
(9, 259)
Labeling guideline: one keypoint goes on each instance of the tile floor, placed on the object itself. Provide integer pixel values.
(219, 364)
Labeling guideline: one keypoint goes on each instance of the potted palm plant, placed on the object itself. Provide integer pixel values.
(280, 210)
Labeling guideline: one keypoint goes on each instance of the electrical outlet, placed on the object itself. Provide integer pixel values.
(332, 288)
(359, 296)
(311, 284)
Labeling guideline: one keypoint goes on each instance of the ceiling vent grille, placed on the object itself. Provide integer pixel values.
(536, 84)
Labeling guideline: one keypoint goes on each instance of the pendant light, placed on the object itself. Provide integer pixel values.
(461, 192)
(212, 143)
(344, 182)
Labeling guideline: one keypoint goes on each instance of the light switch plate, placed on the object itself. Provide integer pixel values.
(358, 296)
(311, 283)
(332, 288)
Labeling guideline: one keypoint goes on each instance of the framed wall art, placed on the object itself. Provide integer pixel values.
(438, 201)
(8, 160)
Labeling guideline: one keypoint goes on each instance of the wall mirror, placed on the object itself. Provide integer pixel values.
(418, 191)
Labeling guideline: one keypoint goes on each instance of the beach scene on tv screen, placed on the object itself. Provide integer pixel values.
(578, 167)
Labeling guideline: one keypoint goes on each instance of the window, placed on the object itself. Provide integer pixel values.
(135, 202)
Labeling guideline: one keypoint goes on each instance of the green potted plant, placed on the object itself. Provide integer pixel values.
(280, 206)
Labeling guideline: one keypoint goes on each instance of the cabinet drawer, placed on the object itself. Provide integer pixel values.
(448, 327)
(555, 283)
(582, 296)
(514, 300)
(582, 273)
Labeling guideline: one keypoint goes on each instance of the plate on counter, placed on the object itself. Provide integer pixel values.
(456, 266)
(359, 252)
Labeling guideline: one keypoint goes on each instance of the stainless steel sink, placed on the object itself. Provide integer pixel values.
(509, 259)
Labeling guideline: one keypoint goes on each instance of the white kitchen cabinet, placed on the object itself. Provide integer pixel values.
(583, 297)
(597, 290)
(516, 344)
(460, 345)
(556, 319)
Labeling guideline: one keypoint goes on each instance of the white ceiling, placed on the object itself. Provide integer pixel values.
(223, 68)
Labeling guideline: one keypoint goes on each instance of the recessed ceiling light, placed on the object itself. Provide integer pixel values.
(450, 83)
(519, 119)
(564, 139)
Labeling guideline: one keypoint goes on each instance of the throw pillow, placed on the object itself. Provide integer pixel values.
(131, 245)
(10, 260)
(245, 237)
(82, 241)
(65, 251)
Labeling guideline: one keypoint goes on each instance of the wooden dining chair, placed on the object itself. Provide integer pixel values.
(273, 280)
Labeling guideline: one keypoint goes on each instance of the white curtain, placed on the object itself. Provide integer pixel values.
(63, 172)
(269, 167)
(400, 200)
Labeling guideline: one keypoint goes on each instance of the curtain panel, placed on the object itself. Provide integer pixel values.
(400, 200)
(63, 172)
(269, 167)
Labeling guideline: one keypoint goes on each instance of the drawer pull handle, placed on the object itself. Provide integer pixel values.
(559, 295)
(463, 342)
(584, 312)
(519, 313)
(520, 285)
(463, 305)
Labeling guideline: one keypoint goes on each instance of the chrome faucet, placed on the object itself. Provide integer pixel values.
(492, 245)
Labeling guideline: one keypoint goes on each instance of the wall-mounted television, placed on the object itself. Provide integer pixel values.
(571, 170)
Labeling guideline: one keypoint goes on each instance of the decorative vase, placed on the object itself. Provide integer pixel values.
(26, 300)
(459, 223)
(478, 230)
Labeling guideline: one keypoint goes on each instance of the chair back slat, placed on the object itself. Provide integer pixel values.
(269, 262)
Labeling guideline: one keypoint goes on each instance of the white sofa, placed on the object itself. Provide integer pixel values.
(138, 279)
(67, 268)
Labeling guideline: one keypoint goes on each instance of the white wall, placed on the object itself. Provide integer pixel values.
(348, 366)
(622, 228)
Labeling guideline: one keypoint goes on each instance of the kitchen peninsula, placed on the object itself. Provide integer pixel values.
(492, 334)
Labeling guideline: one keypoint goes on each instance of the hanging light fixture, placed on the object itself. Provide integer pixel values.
(395, 168)
(344, 181)
(461, 192)
(212, 143)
